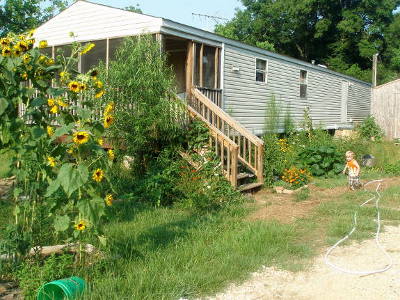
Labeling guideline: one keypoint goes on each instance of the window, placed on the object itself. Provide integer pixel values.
(303, 84)
(261, 70)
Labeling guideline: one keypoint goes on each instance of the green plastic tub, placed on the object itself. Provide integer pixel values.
(63, 289)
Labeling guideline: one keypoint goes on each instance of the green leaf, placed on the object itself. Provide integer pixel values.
(61, 223)
(3, 105)
(92, 209)
(65, 129)
(72, 178)
(38, 102)
(37, 132)
(52, 188)
(103, 240)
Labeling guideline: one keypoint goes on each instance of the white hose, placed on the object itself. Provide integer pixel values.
(387, 267)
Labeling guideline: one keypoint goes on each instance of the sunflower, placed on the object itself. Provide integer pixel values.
(109, 200)
(4, 42)
(100, 141)
(87, 48)
(81, 225)
(50, 62)
(99, 94)
(94, 73)
(64, 75)
(108, 120)
(70, 151)
(74, 86)
(80, 137)
(51, 102)
(54, 109)
(22, 46)
(43, 44)
(61, 103)
(109, 108)
(16, 52)
(24, 76)
(26, 58)
(99, 84)
(51, 161)
(6, 51)
(98, 175)
(42, 59)
(82, 87)
(111, 154)
(50, 130)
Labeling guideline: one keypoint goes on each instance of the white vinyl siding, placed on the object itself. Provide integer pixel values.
(91, 22)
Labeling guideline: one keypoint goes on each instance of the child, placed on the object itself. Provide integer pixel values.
(353, 171)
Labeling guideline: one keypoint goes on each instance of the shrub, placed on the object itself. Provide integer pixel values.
(147, 119)
(369, 129)
(322, 160)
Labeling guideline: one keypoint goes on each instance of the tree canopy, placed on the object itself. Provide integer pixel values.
(342, 34)
(21, 15)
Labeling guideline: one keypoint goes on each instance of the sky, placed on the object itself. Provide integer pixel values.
(181, 10)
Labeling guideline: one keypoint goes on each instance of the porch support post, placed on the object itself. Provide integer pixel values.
(189, 67)
(201, 65)
(216, 68)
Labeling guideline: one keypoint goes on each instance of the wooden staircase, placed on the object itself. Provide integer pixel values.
(233, 143)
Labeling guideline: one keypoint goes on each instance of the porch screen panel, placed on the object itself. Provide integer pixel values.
(65, 51)
(209, 67)
(114, 44)
(197, 60)
(92, 58)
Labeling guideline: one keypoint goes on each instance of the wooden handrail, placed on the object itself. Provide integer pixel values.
(250, 147)
(220, 142)
(227, 118)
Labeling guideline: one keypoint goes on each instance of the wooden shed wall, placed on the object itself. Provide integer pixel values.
(90, 22)
(385, 107)
(247, 99)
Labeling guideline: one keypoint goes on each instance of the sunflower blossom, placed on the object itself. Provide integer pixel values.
(54, 109)
(74, 86)
(81, 225)
(87, 48)
(109, 200)
(98, 175)
(111, 154)
(51, 161)
(80, 137)
(108, 120)
(43, 44)
(50, 130)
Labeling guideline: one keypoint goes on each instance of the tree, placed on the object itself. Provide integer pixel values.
(21, 15)
(135, 9)
(341, 34)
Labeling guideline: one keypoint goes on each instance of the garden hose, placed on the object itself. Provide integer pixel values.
(377, 198)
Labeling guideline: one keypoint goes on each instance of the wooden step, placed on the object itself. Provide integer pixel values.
(250, 186)
(244, 175)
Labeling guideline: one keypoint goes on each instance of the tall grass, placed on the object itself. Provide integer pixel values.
(166, 253)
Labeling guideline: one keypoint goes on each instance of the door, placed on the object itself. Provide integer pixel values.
(345, 96)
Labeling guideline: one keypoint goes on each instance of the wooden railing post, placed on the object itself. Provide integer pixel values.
(234, 166)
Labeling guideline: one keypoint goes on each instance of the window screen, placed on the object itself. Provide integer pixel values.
(261, 70)
(303, 84)
(92, 58)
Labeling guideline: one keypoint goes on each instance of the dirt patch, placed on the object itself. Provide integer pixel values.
(5, 186)
(284, 209)
(9, 291)
(323, 282)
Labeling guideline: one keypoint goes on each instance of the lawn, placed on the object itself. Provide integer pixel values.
(169, 253)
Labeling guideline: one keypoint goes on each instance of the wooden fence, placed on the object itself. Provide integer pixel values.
(385, 107)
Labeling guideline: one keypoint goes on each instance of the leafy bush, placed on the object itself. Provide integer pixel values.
(369, 129)
(322, 160)
(147, 118)
(393, 169)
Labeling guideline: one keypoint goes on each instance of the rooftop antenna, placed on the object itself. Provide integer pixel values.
(216, 19)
